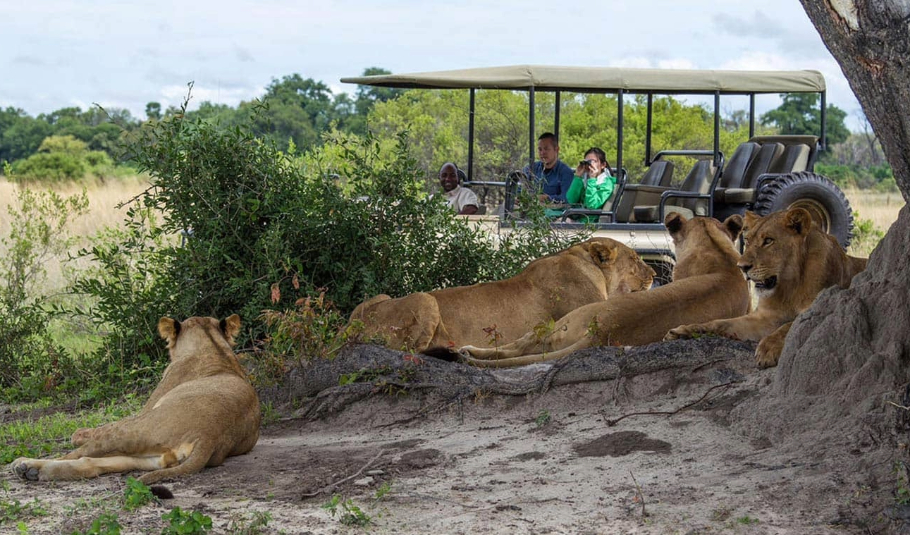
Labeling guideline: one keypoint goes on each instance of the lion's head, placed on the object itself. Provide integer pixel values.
(700, 240)
(774, 248)
(622, 268)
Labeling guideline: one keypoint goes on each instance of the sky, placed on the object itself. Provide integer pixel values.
(126, 53)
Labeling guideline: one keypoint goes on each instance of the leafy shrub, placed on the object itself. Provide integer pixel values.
(137, 494)
(865, 236)
(105, 524)
(38, 223)
(62, 158)
(186, 522)
(128, 290)
(265, 231)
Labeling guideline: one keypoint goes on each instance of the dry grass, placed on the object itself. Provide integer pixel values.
(102, 212)
(880, 208)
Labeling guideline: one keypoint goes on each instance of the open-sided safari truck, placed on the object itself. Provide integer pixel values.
(763, 174)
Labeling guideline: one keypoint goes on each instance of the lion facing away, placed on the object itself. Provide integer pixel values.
(706, 285)
(202, 411)
(439, 322)
(790, 260)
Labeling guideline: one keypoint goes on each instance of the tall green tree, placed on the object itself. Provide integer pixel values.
(153, 111)
(799, 113)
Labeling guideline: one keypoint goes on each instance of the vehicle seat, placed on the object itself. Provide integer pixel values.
(699, 180)
(735, 169)
(656, 180)
(761, 164)
(794, 159)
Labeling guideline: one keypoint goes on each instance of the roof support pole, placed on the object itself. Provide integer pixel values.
(531, 136)
(716, 128)
(648, 134)
(471, 139)
(619, 126)
(556, 122)
(751, 115)
(823, 145)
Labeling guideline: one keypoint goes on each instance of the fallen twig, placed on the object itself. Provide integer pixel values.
(899, 406)
(611, 423)
(331, 486)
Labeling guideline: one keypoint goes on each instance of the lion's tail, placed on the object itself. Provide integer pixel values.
(196, 461)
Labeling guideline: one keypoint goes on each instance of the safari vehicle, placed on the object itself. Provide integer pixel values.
(764, 174)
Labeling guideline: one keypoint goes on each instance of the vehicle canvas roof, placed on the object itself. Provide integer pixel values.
(605, 79)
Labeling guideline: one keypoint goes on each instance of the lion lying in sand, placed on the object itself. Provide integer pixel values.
(441, 321)
(202, 411)
(706, 285)
(791, 261)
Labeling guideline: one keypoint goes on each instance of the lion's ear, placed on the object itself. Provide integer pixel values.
(734, 224)
(230, 326)
(798, 220)
(674, 222)
(168, 328)
(603, 253)
(748, 218)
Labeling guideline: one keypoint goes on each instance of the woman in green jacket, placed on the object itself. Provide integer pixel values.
(593, 185)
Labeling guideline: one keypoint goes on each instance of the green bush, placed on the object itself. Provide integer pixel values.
(38, 223)
(62, 158)
(262, 229)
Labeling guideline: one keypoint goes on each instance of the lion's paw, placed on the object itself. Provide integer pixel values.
(21, 468)
(768, 352)
(83, 435)
(685, 331)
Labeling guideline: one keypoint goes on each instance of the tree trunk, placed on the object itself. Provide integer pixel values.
(870, 39)
(847, 356)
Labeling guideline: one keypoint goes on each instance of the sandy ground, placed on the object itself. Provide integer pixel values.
(540, 464)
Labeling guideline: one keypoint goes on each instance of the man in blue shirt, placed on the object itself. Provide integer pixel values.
(553, 177)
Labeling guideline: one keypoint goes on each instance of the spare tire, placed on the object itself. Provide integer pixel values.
(816, 194)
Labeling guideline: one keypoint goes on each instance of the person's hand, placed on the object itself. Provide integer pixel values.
(582, 168)
(543, 197)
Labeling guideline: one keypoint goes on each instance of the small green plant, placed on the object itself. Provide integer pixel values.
(106, 524)
(746, 520)
(270, 414)
(902, 484)
(313, 330)
(865, 236)
(544, 329)
(251, 524)
(382, 491)
(182, 522)
(137, 494)
(14, 510)
(347, 511)
(543, 418)
(494, 335)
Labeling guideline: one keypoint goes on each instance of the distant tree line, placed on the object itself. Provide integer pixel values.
(301, 112)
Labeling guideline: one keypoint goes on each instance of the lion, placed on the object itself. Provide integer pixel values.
(439, 322)
(790, 260)
(706, 285)
(203, 410)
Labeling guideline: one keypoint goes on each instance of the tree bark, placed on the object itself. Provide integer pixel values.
(870, 39)
(847, 356)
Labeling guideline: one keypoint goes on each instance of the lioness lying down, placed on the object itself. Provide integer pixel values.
(441, 321)
(706, 285)
(202, 411)
(791, 261)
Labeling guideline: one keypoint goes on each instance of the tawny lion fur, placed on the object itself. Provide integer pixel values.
(706, 285)
(790, 260)
(203, 410)
(441, 321)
